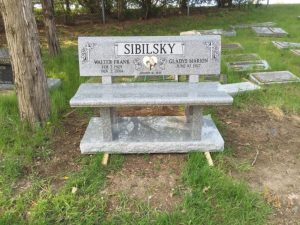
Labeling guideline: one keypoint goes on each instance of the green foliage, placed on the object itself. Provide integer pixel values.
(28, 198)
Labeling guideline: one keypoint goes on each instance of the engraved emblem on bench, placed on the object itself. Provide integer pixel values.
(85, 52)
(214, 49)
(150, 61)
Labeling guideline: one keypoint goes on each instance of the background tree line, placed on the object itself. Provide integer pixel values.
(68, 10)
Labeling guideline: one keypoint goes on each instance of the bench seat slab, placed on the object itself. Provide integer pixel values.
(161, 134)
(150, 94)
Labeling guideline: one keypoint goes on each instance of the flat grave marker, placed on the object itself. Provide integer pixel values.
(241, 57)
(269, 31)
(284, 44)
(296, 51)
(228, 33)
(249, 25)
(231, 46)
(274, 77)
(248, 65)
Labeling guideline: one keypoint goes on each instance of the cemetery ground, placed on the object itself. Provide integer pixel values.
(45, 180)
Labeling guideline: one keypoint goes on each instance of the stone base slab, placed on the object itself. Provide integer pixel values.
(160, 134)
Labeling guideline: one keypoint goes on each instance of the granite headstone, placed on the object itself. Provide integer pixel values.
(6, 74)
(274, 77)
(156, 55)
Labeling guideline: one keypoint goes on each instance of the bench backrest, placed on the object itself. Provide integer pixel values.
(149, 55)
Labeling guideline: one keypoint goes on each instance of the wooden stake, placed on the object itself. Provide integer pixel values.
(209, 159)
(105, 159)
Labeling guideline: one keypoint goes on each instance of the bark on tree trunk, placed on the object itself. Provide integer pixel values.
(68, 13)
(23, 42)
(121, 9)
(50, 27)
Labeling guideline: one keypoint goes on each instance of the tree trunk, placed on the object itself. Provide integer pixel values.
(49, 22)
(121, 9)
(68, 20)
(23, 43)
(183, 4)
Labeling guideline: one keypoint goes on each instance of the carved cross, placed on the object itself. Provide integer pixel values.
(211, 49)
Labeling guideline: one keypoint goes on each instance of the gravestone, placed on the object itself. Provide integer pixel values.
(269, 31)
(241, 57)
(231, 46)
(296, 51)
(154, 56)
(237, 88)
(248, 65)
(6, 74)
(284, 44)
(249, 25)
(229, 33)
(274, 77)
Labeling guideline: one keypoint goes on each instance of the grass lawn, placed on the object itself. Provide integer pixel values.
(29, 196)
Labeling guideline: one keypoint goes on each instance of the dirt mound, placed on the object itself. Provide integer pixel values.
(268, 141)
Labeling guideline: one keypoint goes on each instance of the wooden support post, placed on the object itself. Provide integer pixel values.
(105, 159)
(209, 159)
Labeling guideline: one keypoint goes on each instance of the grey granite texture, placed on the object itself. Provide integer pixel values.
(106, 124)
(274, 77)
(149, 94)
(52, 83)
(231, 46)
(166, 134)
(149, 55)
(296, 51)
(249, 25)
(236, 88)
(284, 44)
(249, 65)
(269, 31)
(197, 122)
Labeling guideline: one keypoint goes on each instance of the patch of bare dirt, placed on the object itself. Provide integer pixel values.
(66, 152)
(151, 179)
(269, 141)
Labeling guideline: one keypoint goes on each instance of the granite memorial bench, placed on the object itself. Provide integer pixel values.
(151, 56)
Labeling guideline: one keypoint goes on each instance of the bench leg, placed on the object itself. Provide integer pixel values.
(197, 122)
(188, 114)
(106, 123)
